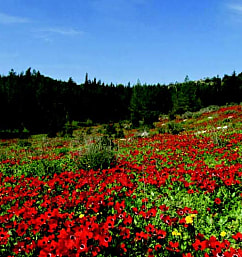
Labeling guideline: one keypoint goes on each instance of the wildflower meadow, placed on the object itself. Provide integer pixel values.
(172, 191)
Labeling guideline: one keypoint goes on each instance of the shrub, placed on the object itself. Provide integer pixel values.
(24, 143)
(114, 130)
(171, 128)
(210, 108)
(187, 115)
(67, 130)
(172, 115)
(99, 154)
(63, 151)
(174, 128)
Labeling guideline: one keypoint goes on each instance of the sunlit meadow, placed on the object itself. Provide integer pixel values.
(165, 194)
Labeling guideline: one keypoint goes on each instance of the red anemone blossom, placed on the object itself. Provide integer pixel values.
(238, 237)
(199, 245)
(217, 200)
(173, 246)
(3, 236)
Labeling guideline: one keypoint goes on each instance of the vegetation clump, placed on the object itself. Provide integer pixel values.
(98, 153)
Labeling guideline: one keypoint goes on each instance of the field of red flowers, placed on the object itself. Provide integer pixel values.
(167, 195)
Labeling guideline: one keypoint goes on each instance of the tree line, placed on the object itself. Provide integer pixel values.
(33, 102)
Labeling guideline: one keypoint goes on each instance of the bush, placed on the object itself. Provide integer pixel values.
(67, 130)
(187, 115)
(210, 108)
(24, 143)
(86, 123)
(114, 130)
(172, 115)
(174, 128)
(171, 128)
(99, 154)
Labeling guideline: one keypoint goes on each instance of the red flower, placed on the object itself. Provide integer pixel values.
(158, 247)
(42, 243)
(141, 235)
(190, 191)
(180, 212)
(238, 237)
(123, 247)
(200, 236)
(217, 200)
(167, 220)
(94, 250)
(150, 228)
(226, 243)
(135, 210)
(233, 253)
(127, 220)
(82, 247)
(51, 246)
(199, 245)
(163, 207)
(41, 220)
(44, 253)
(152, 212)
(53, 224)
(187, 255)
(110, 221)
(104, 240)
(19, 248)
(161, 234)
(119, 207)
(187, 210)
(3, 236)
(214, 244)
(125, 233)
(173, 246)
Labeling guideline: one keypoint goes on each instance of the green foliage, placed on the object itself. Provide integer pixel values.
(210, 108)
(89, 122)
(63, 151)
(86, 123)
(172, 128)
(67, 129)
(39, 168)
(172, 115)
(187, 115)
(145, 105)
(24, 143)
(114, 130)
(98, 154)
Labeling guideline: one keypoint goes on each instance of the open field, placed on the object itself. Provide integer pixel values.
(175, 191)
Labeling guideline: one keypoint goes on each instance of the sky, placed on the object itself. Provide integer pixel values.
(121, 41)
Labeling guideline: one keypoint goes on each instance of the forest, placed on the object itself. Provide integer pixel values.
(33, 103)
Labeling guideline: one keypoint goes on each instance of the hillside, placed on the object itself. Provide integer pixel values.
(174, 190)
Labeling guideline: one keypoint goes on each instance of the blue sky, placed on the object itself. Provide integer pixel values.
(120, 41)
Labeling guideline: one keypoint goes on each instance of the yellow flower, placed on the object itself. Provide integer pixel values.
(193, 215)
(189, 219)
(81, 215)
(223, 234)
(176, 233)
